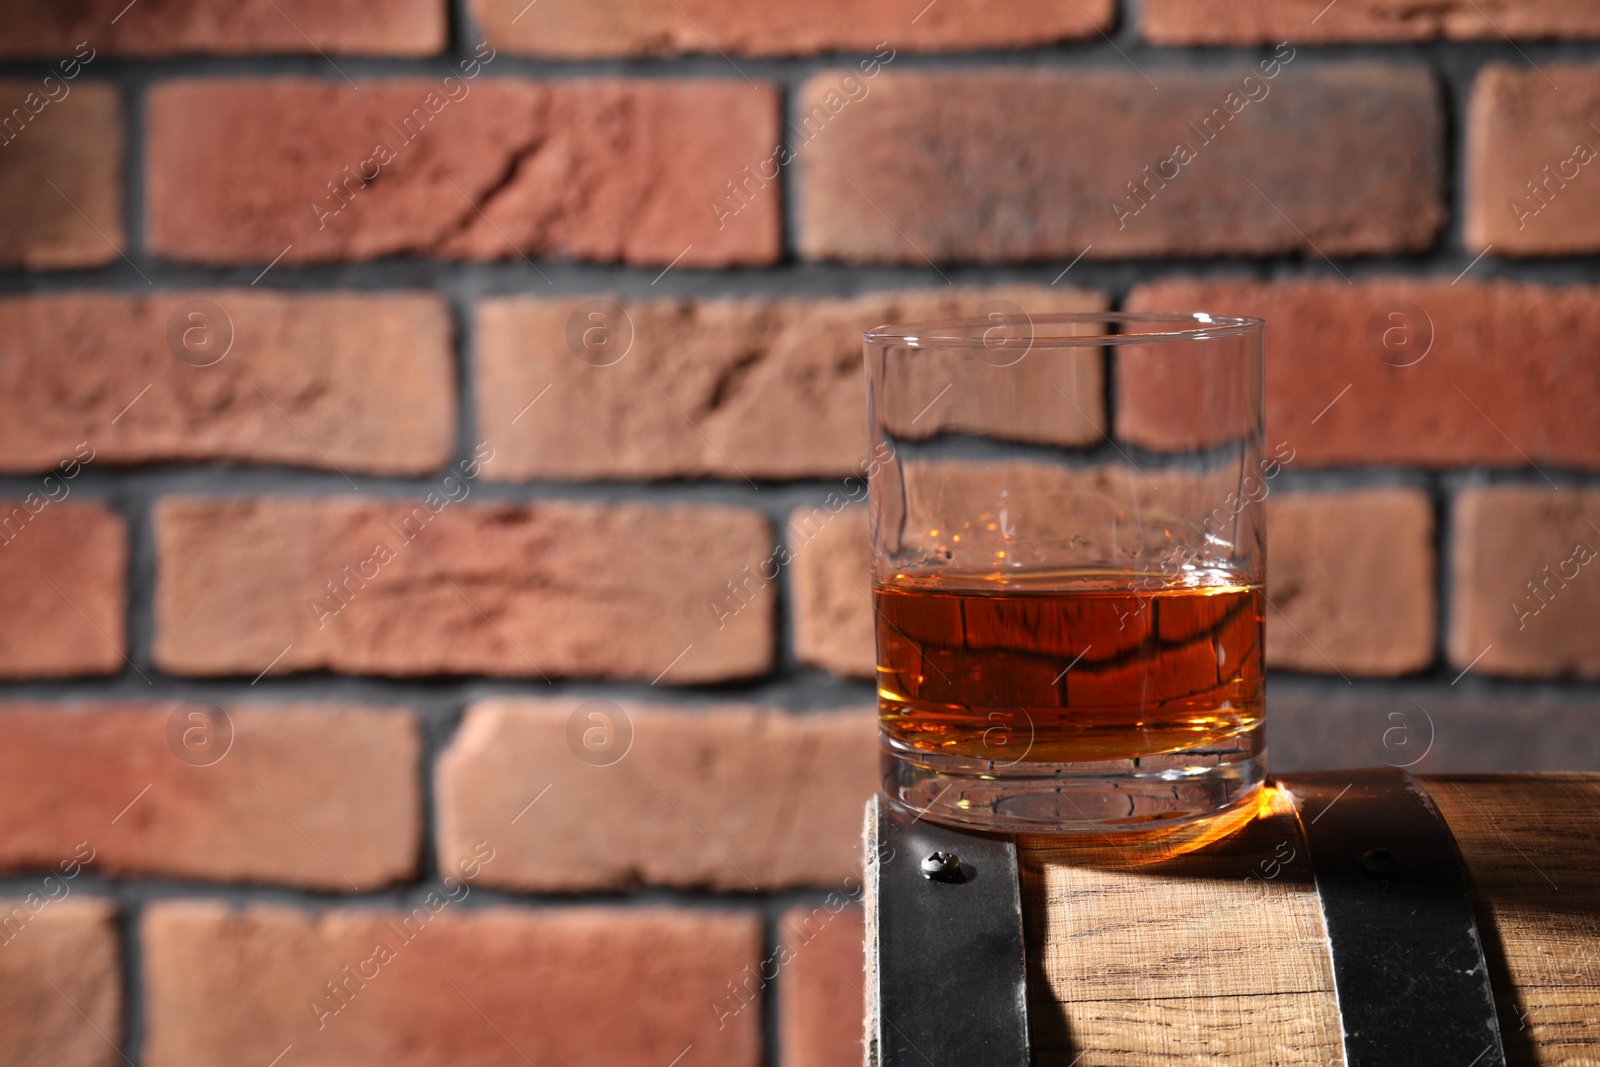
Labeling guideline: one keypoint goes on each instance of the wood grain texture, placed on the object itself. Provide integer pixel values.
(1214, 956)
(1531, 848)
(1291, 1029)
(1220, 956)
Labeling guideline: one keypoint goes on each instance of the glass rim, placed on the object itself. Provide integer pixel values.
(970, 333)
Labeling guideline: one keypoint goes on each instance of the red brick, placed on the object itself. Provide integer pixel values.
(735, 798)
(610, 170)
(632, 987)
(323, 796)
(1505, 537)
(573, 29)
(1508, 377)
(338, 380)
(1192, 392)
(63, 594)
(821, 1000)
(54, 937)
(74, 143)
(832, 582)
(555, 588)
(729, 389)
(1350, 577)
(1316, 21)
(989, 165)
(224, 27)
(1533, 160)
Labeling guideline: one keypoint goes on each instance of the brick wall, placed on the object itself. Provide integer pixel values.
(433, 615)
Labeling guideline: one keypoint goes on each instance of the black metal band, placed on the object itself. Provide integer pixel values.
(1407, 959)
(945, 972)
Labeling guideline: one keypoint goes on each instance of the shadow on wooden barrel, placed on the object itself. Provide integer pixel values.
(1209, 945)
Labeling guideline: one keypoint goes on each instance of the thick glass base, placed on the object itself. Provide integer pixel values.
(1151, 793)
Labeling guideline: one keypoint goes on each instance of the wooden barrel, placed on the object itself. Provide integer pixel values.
(1220, 954)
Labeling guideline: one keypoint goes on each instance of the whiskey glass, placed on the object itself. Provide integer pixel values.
(1068, 551)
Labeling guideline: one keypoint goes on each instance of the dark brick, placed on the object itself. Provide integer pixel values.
(60, 174)
(1317, 21)
(225, 27)
(997, 165)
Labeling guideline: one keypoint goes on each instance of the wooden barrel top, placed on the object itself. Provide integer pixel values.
(1219, 954)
